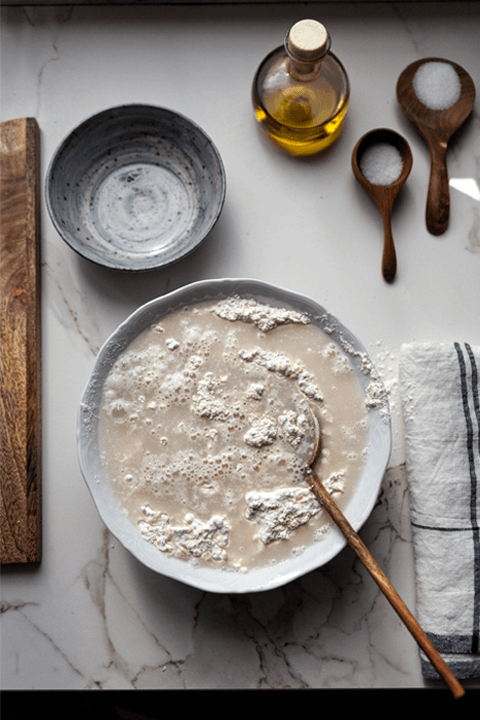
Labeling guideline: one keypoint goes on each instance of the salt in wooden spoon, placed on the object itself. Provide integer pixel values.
(384, 195)
(376, 572)
(436, 127)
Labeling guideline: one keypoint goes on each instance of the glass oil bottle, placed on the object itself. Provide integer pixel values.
(300, 91)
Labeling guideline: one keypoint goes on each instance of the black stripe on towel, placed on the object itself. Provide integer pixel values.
(470, 384)
(440, 528)
(476, 409)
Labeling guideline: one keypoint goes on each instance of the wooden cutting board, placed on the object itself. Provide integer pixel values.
(20, 379)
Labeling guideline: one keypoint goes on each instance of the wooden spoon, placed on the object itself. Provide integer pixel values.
(375, 571)
(384, 195)
(436, 127)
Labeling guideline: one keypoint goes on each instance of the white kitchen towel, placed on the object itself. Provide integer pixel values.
(439, 390)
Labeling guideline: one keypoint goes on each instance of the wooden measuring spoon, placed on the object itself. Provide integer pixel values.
(436, 127)
(384, 195)
(376, 572)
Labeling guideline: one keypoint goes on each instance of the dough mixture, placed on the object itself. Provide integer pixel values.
(206, 428)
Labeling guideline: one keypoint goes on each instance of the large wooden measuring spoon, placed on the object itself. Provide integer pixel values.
(436, 127)
(384, 195)
(376, 572)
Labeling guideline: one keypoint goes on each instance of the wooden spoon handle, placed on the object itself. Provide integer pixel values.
(385, 586)
(389, 257)
(438, 199)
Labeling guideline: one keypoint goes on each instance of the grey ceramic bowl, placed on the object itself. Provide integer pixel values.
(361, 500)
(135, 187)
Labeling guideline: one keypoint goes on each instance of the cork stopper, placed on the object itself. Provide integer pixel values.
(307, 41)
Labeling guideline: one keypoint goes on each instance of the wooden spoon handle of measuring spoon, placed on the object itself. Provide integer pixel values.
(438, 199)
(385, 586)
(389, 257)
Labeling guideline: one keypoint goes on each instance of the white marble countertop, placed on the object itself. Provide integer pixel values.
(90, 616)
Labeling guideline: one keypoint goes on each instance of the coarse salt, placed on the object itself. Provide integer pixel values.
(437, 85)
(381, 163)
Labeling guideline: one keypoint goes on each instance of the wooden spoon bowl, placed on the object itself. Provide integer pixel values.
(384, 195)
(436, 127)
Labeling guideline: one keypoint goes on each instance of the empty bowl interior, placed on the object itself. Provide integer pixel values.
(135, 187)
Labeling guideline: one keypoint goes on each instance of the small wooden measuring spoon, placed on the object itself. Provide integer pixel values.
(375, 571)
(436, 127)
(384, 195)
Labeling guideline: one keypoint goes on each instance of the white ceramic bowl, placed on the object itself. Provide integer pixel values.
(357, 509)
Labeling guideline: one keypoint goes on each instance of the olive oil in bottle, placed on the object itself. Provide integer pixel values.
(300, 91)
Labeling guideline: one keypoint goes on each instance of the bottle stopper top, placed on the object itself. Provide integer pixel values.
(308, 41)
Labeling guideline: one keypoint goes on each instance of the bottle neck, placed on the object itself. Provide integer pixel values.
(305, 64)
(303, 71)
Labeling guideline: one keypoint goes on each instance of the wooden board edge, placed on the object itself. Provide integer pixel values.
(30, 549)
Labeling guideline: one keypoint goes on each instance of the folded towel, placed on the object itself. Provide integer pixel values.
(439, 390)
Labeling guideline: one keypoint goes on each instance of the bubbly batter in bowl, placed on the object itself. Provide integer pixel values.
(205, 429)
